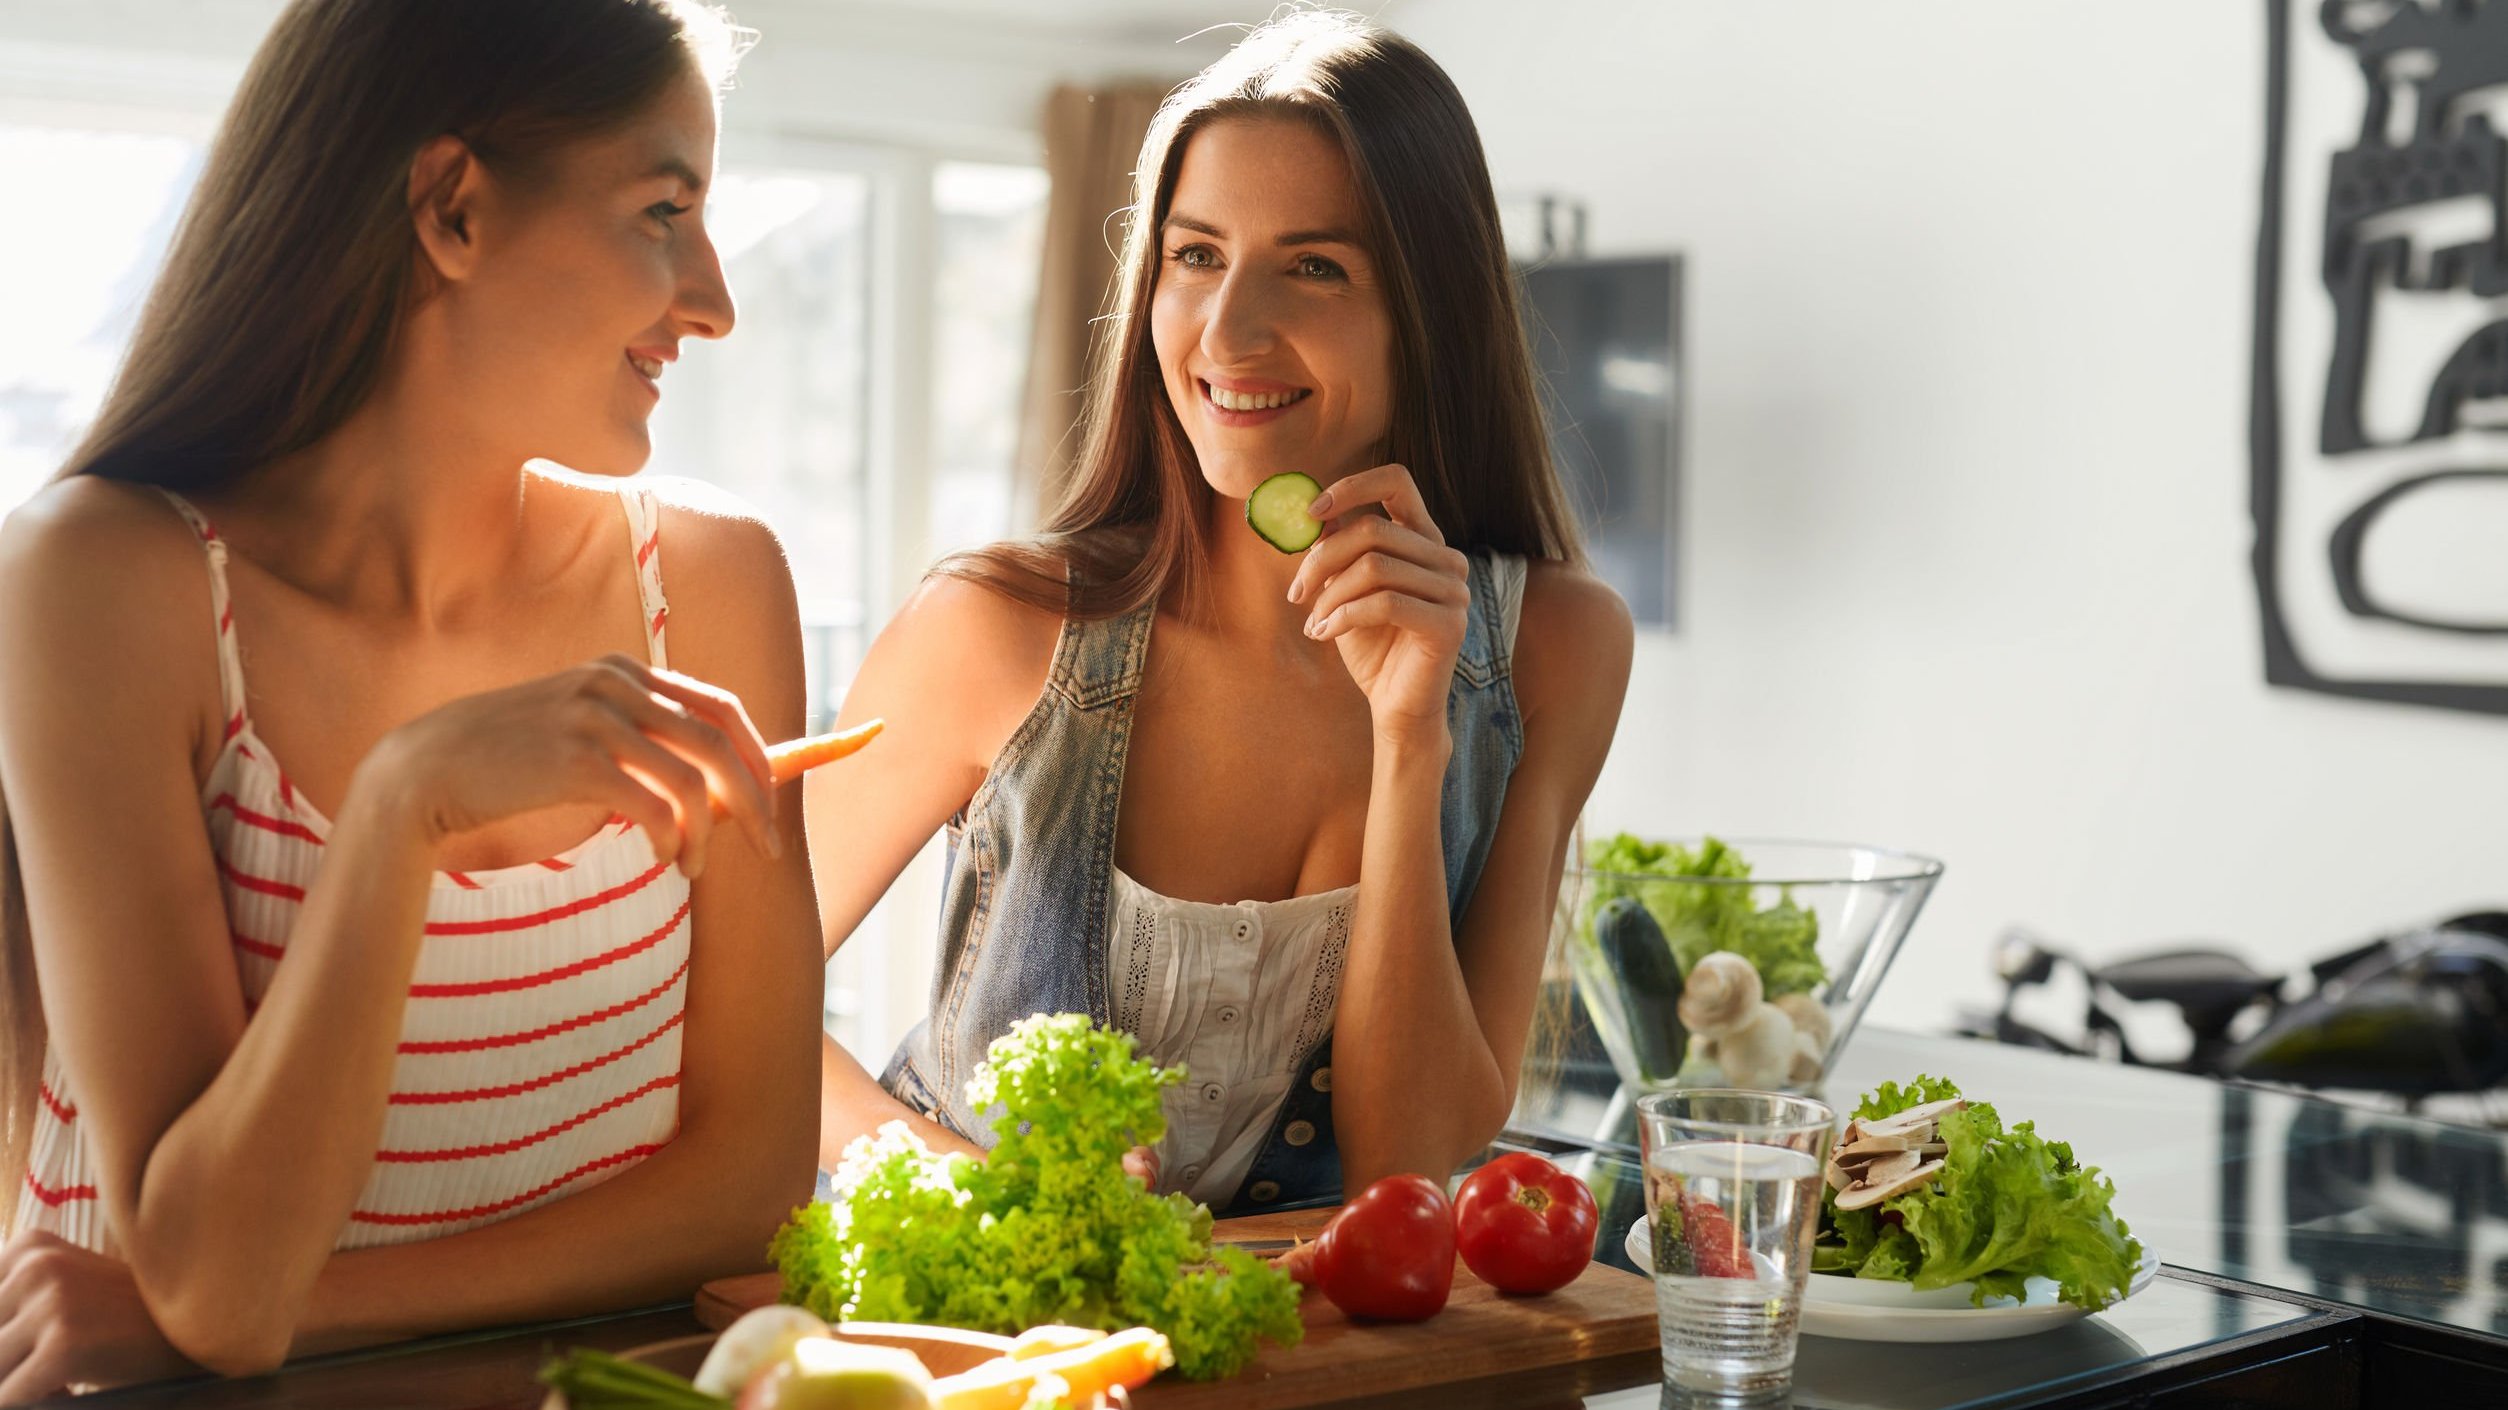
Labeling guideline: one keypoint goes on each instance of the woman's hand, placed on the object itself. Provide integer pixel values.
(73, 1318)
(655, 746)
(1391, 595)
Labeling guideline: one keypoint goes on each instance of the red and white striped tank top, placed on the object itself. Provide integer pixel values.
(539, 1054)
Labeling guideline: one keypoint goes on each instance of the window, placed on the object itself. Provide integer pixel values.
(989, 237)
(779, 413)
(80, 280)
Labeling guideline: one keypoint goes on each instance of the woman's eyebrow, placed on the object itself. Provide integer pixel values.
(1327, 236)
(673, 166)
(1321, 237)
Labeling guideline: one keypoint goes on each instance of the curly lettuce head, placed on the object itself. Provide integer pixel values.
(1048, 1228)
(1691, 896)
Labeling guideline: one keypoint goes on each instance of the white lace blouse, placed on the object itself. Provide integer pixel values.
(1237, 994)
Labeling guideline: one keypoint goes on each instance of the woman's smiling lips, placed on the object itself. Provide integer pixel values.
(647, 364)
(1247, 401)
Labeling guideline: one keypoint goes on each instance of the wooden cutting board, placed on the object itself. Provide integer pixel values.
(1603, 1324)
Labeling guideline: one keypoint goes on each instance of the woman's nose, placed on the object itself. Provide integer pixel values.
(704, 306)
(1240, 323)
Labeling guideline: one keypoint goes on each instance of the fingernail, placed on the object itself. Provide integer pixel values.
(1314, 627)
(1321, 506)
(1297, 590)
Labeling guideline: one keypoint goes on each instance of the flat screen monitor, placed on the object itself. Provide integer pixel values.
(1606, 342)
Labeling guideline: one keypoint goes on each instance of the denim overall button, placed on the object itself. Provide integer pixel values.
(1322, 1080)
(1212, 1091)
(1264, 1190)
(1298, 1133)
(1227, 1013)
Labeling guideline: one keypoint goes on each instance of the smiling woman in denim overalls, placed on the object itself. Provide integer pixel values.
(1296, 822)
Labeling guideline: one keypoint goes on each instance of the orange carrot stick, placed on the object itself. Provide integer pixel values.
(793, 758)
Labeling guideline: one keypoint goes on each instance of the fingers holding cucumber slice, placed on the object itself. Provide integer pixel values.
(1277, 510)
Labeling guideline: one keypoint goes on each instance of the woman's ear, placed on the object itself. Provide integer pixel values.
(445, 184)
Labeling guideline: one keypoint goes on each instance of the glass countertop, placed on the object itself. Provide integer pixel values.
(2388, 1213)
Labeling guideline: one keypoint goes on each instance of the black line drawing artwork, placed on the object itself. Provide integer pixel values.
(2392, 219)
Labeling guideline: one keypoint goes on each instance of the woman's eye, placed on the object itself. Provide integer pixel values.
(1318, 267)
(664, 210)
(1195, 257)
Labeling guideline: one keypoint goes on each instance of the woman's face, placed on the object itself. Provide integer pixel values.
(593, 267)
(1269, 318)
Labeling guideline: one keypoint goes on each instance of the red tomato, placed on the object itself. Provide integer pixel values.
(1525, 1225)
(1389, 1254)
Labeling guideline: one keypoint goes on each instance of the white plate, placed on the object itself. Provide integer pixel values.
(1875, 1309)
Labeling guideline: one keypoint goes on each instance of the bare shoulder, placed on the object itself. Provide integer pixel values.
(1576, 638)
(88, 555)
(964, 661)
(90, 561)
(716, 544)
(734, 617)
(946, 608)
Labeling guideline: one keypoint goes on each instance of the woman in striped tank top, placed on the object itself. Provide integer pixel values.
(393, 978)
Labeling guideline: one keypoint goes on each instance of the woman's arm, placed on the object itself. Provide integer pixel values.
(954, 675)
(1425, 997)
(705, 1205)
(230, 1155)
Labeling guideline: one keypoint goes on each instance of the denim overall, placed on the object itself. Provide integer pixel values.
(1023, 911)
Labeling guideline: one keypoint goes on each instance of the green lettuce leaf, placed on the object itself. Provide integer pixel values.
(1048, 1228)
(1889, 1099)
(1700, 918)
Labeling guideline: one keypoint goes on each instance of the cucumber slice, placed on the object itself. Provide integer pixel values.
(1277, 511)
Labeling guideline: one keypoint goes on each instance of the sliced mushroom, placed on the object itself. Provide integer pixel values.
(1881, 1145)
(1915, 1118)
(1867, 1193)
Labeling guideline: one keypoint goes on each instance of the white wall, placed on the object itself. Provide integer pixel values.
(1969, 301)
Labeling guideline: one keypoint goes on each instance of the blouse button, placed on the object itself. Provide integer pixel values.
(1244, 929)
(1263, 1190)
(1322, 1080)
(1298, 1133)
(1189, 1174)
(1212, 1091)
(1227, 1013)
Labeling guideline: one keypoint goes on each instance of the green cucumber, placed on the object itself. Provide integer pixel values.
(1277, 511)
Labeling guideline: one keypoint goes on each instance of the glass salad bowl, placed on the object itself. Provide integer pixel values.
(1745, 963)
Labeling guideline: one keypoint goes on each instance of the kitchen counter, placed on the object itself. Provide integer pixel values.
(2318, 1255)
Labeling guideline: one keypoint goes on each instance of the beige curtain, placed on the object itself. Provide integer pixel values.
(1092, 139)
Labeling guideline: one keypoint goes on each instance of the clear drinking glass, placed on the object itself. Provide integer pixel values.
(1733, 1195)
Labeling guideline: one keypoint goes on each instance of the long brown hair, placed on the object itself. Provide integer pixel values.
(295, 264)
(1466, 421)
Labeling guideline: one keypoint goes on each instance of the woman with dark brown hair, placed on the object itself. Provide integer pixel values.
(1295, 822)
(360, 777)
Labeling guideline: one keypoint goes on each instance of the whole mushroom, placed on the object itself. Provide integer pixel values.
(1811, 1036)
(1811, 1018)
(1720, 998)
(1761, 1054)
